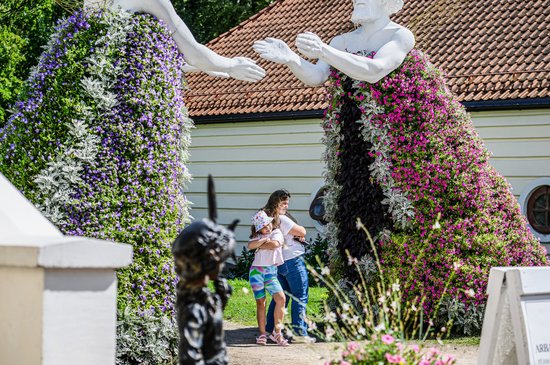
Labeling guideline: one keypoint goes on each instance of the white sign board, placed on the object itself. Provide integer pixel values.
(516, 327)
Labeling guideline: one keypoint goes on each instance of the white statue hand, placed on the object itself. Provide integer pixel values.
(246, 69)
(310, 45)
(275, 50)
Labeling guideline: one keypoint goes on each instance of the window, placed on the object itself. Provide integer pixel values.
(535, 206)
(538, 209)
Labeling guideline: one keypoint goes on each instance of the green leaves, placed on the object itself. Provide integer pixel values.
(25, 27)
(209, 18)
(11, 59)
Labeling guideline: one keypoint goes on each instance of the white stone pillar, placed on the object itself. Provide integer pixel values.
(57, 293)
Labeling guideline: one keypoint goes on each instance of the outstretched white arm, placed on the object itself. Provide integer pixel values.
(277, 51)
(195, 54)
(387, 58)
(187, 68)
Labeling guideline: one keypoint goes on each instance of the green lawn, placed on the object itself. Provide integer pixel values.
(242, 306)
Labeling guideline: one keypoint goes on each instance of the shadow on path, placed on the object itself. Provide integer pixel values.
(239, 336)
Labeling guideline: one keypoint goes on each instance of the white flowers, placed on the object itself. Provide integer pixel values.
(436, 225)
(329, 333)
(470, 292)
(396, 287)
(381, 327)
(330, 317)
(352, 261)
(245, 290)
(325, 271)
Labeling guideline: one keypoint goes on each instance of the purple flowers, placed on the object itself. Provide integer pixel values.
(108, 99)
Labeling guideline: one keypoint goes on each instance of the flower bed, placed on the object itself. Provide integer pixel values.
(100, 143)
(436, 206)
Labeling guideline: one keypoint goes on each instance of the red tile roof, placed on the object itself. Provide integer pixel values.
(489, 49)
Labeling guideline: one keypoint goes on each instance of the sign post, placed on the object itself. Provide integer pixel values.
(516, 327)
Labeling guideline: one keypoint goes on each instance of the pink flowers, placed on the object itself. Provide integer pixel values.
(353, 346)
(439, 163)
(386, 348)
(395, 359)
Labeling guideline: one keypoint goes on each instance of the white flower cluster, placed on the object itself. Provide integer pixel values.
(399, 206)
(186, 124)
(56, 183)
(331, 140)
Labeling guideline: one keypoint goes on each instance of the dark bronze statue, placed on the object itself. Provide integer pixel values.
(199, 252)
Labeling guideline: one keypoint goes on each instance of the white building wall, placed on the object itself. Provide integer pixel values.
(520, 143)
(249, 160)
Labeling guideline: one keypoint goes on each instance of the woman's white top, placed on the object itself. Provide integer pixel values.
(292, 248)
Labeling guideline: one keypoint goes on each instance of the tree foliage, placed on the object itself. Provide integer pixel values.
(207, 19)
(25, 26)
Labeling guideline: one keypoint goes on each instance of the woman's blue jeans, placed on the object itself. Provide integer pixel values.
(292, 275)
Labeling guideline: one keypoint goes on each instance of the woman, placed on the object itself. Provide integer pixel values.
(292, 274)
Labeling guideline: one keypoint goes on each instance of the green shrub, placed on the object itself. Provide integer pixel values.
(242, 265)
(11, 60)
(315, 256)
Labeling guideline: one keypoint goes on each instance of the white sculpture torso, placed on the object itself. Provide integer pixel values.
(390, 41)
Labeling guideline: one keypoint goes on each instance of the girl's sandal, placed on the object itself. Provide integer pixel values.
(279, 339)
(262, 339)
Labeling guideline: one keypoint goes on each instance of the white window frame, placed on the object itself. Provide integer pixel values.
(528, 190)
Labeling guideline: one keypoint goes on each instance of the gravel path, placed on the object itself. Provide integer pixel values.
(244, 351)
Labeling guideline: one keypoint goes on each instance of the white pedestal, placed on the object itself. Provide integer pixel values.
(57, 293)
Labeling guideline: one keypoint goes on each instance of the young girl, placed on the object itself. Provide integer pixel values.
(263, 274)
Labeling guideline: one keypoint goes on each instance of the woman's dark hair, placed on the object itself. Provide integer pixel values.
(273, 202)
